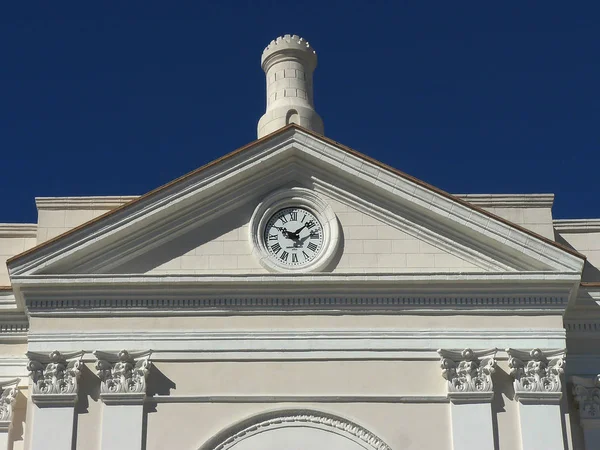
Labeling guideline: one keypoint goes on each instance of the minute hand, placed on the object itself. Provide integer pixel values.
(301, 228)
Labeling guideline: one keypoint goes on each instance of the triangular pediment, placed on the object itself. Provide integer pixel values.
(390, 222)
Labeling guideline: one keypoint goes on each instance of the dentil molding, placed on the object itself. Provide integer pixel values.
(8, 394)
(586, 392)
(54, 377)
(123, 376)
(537, 374)
(469, 374)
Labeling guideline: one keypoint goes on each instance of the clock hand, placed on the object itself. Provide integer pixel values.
(302, 227)
(285, 232)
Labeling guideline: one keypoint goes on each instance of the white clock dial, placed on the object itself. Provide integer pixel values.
(293, 237)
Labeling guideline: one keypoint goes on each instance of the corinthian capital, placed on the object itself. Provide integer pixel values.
(8, 394)
(123, 375)
(54, 376)
(469, 374)
(586, 393)
(537, 374)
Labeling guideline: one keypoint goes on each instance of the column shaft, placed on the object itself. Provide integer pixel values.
(591, 437)
(52, 428)
(472, 423)
(3, 440)
(541, 427)
(122, 427)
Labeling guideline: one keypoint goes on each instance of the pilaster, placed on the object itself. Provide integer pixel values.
(470, 390)
(54, 394)
(123, 391)
(538, 389)
(586, 393)
(8, 394)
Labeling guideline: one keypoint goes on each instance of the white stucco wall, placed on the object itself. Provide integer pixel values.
(368, 245)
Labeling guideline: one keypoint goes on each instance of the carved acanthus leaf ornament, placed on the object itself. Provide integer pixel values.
(56, 374)
(126, 375)
(536, 371)
(8, 395)
(586, 393)
(468, 371)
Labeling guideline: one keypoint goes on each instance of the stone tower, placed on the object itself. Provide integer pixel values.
(289, 62)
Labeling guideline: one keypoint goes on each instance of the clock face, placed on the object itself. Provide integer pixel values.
(293, 237)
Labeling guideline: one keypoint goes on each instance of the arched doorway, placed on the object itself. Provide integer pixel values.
(294, 431)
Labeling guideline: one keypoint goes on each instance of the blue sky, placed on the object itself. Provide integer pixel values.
(101, 98)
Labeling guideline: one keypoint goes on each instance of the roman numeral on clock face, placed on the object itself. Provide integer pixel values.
(294, 215)
(305, 255)
(273, 237)
(312, 246)
(314, 234)
(283, 219)
(294, 258)
(275, 248)
(284, 256)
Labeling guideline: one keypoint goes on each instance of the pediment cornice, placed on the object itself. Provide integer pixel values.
(219, 187)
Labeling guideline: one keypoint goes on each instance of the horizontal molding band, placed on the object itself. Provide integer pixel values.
(509, 200)
(576, 225)
(322, 344)
(297, 399)
(587, 327)
(305, 303)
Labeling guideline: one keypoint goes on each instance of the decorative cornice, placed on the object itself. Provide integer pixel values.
(509, 200)
(577, 225)
(318, 292)
(98, 202)
(537, 374)
(314, 303)
(588, 327)
(54, 377)
(8, 394)
(156, 218)
(334, 425)
(123, 376)
(469, 374)
(586, 393)
(18, 230)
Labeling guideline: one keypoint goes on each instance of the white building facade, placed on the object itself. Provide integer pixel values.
(298, 294)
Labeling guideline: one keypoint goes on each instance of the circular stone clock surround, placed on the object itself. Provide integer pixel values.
(294, 198)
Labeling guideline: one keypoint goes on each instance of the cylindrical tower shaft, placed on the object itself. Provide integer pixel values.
(289, 62)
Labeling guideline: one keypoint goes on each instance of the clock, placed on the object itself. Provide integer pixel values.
(294, 230)
(293, 236)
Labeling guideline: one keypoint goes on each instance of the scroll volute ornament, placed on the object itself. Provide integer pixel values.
(8, 395)
(586, 393)
(54, 374)
(469, 373)
(123, 372)
(537, 373)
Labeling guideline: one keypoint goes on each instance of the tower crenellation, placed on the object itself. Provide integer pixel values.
(288, 63)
